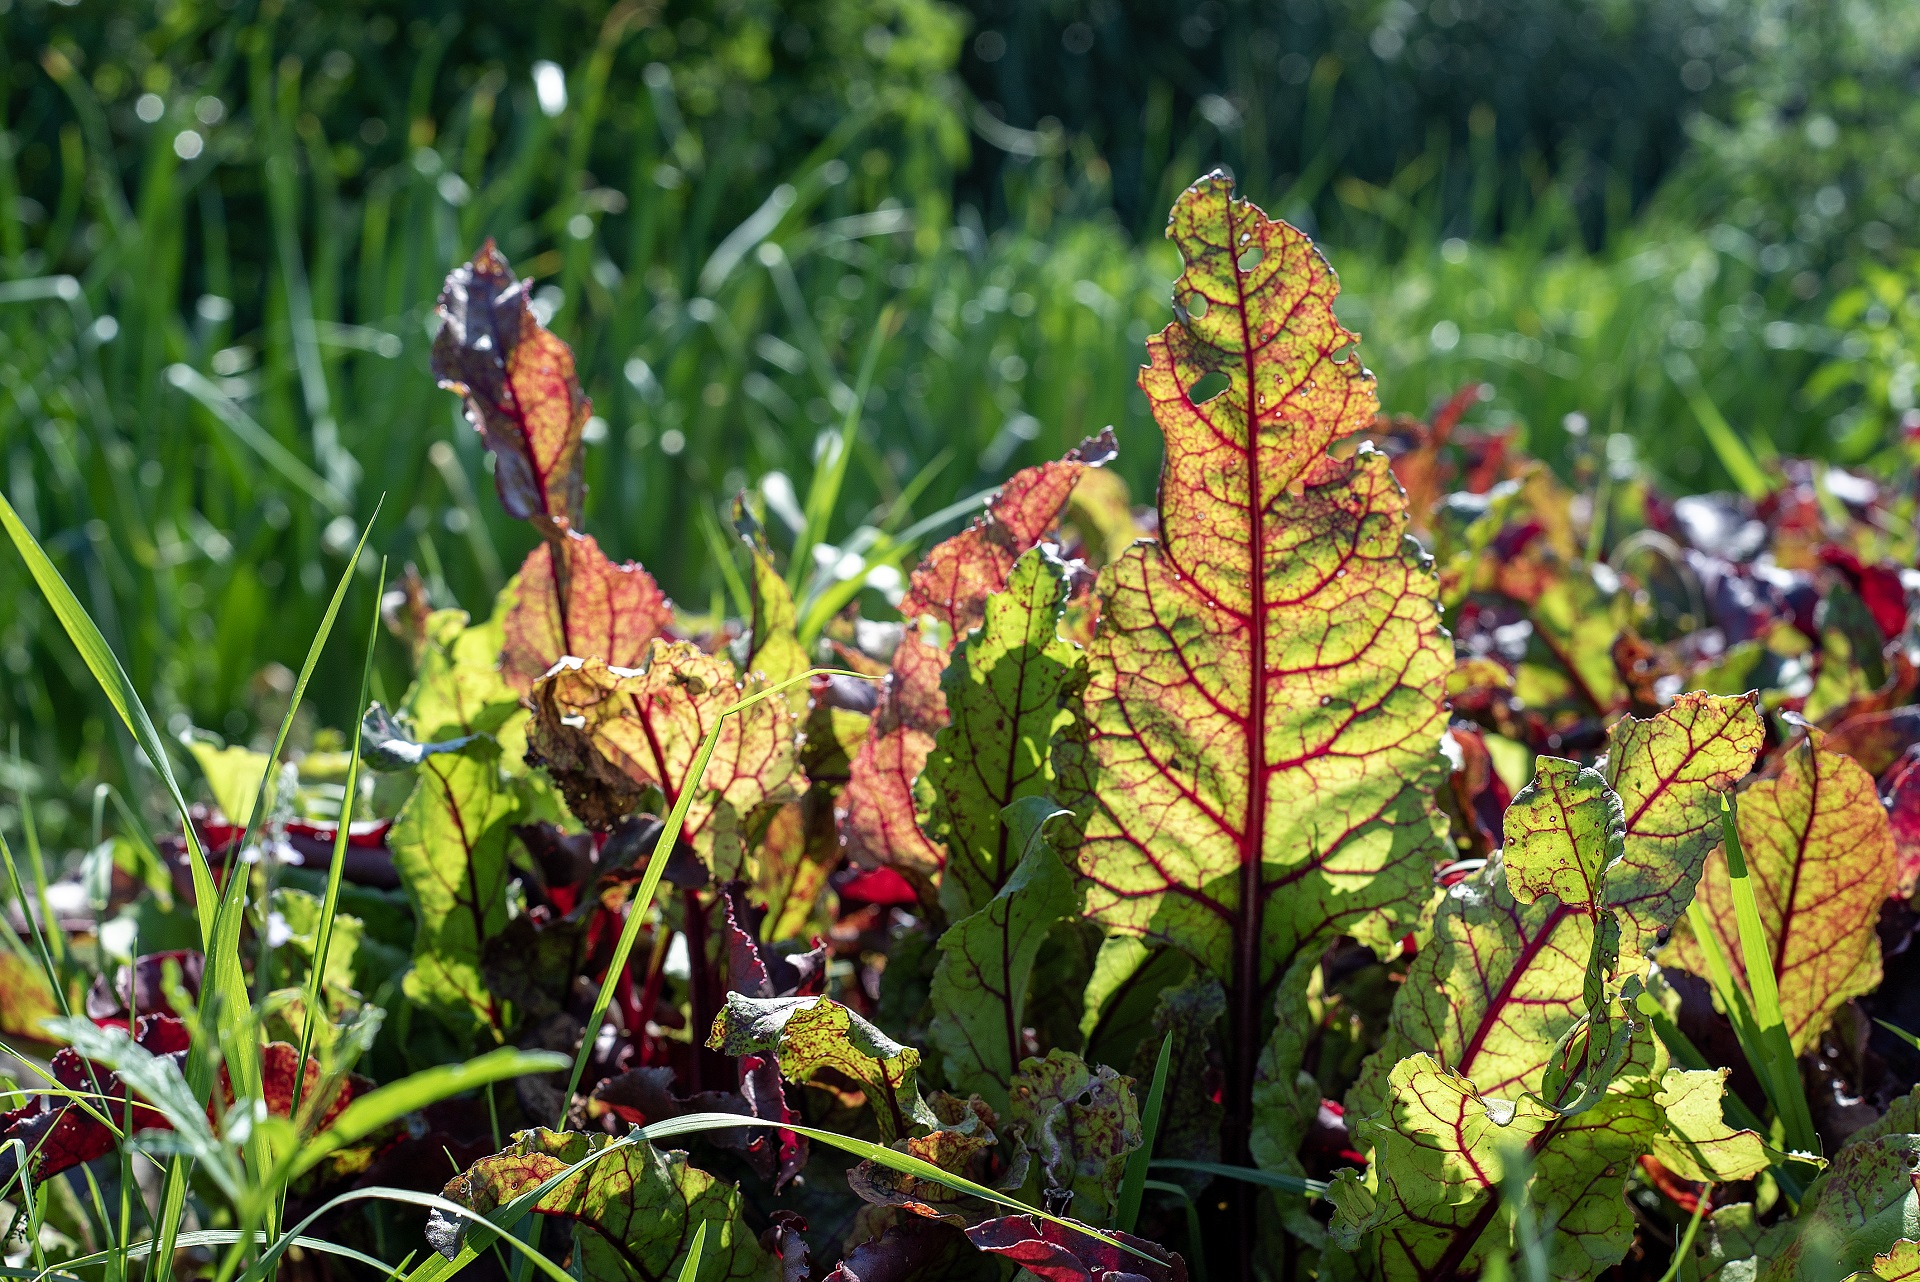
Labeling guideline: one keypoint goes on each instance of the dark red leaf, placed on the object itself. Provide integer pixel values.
(1054, 1253)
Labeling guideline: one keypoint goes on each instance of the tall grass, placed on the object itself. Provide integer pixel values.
(202, 486)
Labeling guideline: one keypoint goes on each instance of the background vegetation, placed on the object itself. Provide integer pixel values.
(226, 223)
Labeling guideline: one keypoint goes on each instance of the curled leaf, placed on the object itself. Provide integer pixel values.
(607, 734)
(519, 385)
(808, 1034)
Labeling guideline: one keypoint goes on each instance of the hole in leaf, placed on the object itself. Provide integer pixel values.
(1210, 385)
(1250, 258)
(1341, 352)
(1196, 305)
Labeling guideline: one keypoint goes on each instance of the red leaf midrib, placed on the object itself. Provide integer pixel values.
(1246, 978)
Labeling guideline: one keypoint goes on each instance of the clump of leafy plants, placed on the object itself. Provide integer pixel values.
(1383, 858)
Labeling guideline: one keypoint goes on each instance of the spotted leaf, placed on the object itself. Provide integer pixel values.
(808, 1034)
(606, 735)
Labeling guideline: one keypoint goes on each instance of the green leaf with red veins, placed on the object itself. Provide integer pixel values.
(522, 394)
(1008, 689)
(878, 810)
(1516, 996)
(1428, 1206)
(808, 1034)
(1502, 979)
(592, 609)
(1670, 771)
(1821, 859)
(1266, 694)
(449, 847)
(634, 1212)
(986, 962)
(1081, 1122)
(606, 735)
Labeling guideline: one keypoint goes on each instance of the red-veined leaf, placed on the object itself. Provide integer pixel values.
(1265, 700)
(519, 384)
(594, 609)
(1821, 858)
(877, 810)
(1514, 1010)
(607, 734)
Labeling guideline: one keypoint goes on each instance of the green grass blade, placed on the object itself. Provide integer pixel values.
(823, 492)
(691, 1269)
(1788, 1094)
(1901, 1033)
(1246, 1174)
(1728, 447)
(258, 439)
(114, 683)
(1126, 1211)
(657, 865)
(395, 1100)
(330, 903)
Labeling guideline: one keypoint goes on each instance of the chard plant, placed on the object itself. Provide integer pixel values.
(1380, 859)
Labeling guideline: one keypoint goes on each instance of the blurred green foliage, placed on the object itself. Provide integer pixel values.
(231, 220)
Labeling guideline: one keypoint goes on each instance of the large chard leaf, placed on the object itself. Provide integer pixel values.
(1821, 859)
(607, 734)
(1265, 700)
(522, 394)
(986, 959)
(1516, 1030)
(946, 599)
(1007, 692)
(808, 1034)
(449, 846)
(634, 1212)
(590, 608)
